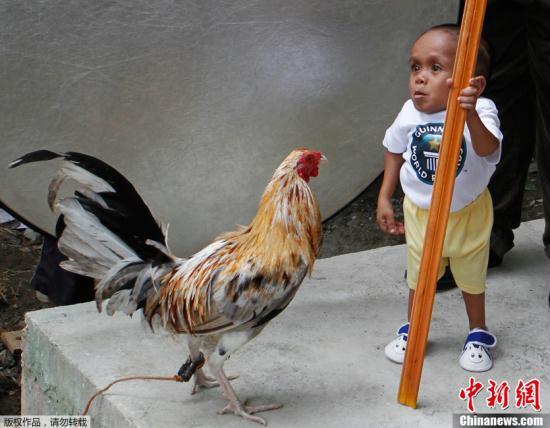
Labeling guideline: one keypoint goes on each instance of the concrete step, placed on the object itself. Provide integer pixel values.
(322, 358)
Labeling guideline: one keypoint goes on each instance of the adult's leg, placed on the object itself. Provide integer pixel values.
(538, 50)
(511, 88)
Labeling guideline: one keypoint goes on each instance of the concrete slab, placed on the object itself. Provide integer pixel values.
(322, 358)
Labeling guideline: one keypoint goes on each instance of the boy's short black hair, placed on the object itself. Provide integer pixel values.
(483, 66)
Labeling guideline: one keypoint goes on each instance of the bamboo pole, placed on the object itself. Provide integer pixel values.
(465, 60)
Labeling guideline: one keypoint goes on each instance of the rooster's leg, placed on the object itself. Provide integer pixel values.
(201, 380)
(235, 405)
(206, 382)
(226, 345)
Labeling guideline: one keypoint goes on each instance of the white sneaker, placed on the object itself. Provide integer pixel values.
(395, 350)
(476, 356)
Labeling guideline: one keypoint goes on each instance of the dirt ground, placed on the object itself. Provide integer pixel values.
(350, 230)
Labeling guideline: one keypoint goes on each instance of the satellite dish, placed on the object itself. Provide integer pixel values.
(197, 102)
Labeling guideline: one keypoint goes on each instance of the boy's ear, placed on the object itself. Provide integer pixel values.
(482, 82)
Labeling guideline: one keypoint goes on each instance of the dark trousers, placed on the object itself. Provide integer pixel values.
(61, 286)
(519, 35)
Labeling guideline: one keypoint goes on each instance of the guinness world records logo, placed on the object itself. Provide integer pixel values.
(426, 140)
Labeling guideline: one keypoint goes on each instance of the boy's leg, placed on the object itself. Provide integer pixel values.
(468, 249)
(467, 245)
(476, 355)
(416, 220)
(475, 308)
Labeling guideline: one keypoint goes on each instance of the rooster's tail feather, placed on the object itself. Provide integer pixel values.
(106, 231)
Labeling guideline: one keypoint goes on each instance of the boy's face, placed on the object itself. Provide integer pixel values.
(431, 64)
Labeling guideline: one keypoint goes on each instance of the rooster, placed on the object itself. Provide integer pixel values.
(222, 296)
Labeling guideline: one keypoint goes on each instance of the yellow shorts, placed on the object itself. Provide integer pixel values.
(466, 247)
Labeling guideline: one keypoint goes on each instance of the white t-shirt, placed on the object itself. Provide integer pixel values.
(418, 135)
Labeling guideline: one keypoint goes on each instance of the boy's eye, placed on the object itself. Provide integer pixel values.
(436, 67)
(415, 67)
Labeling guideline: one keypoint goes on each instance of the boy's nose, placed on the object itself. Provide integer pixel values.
(420, 78)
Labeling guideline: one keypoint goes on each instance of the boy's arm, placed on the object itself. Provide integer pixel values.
(483, 141)
(384, 212)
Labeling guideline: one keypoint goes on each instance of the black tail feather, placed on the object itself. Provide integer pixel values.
(125, 214)
(37, 156)
(107, 231)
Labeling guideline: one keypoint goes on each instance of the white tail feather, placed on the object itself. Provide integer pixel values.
(145, 275)
(90, 228)
(80, 269)
(87, 251)
(86, 178)
(120, 301)
(166, 251)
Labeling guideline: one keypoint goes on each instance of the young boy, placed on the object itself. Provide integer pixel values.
(412, 144)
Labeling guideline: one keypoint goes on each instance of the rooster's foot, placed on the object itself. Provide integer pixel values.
(247, 412)
(202, 381)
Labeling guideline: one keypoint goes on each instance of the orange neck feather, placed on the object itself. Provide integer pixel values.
(287, 225)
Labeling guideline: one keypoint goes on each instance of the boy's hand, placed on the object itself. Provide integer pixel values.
(469, 95)
(386, 220)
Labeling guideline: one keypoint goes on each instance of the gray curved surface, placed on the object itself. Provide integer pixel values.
(197, 102)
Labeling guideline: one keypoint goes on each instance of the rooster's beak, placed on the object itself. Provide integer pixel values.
(323, 159)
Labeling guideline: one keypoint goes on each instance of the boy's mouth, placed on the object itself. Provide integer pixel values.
(417, 95)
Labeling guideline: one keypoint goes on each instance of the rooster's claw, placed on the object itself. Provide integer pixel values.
(247, 412)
